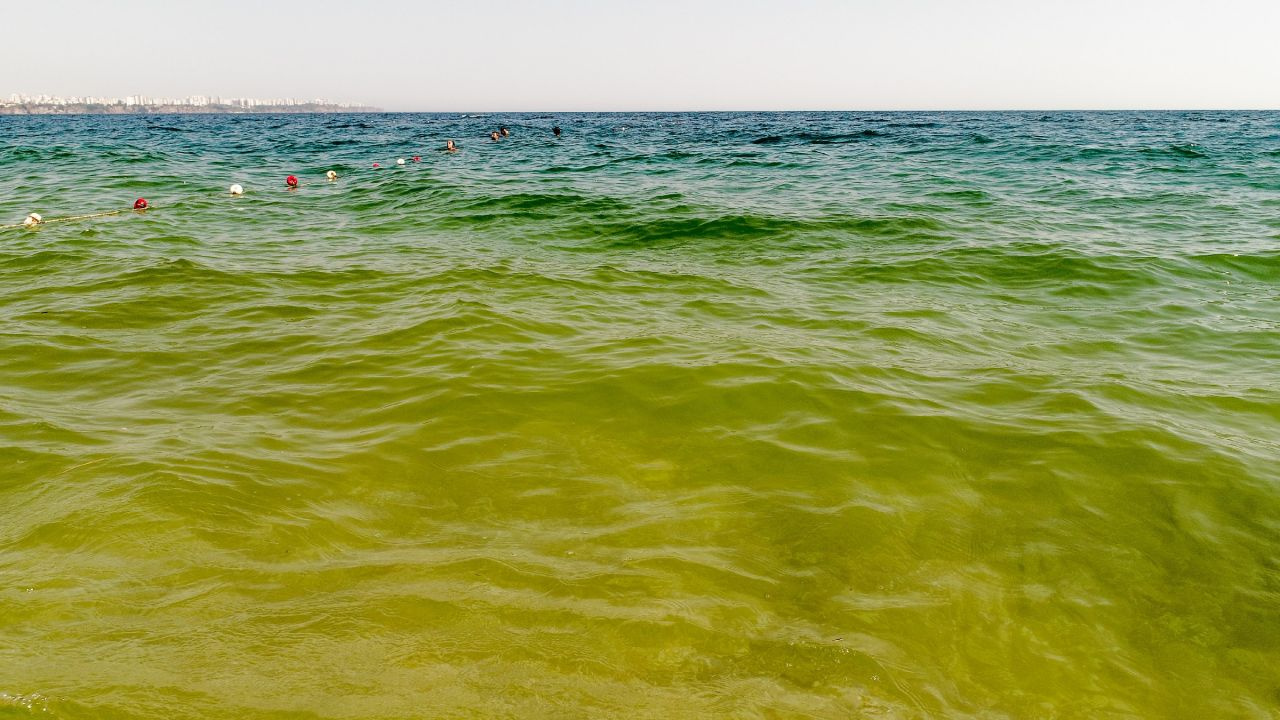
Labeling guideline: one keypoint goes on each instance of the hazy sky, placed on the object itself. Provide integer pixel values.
(658, 54)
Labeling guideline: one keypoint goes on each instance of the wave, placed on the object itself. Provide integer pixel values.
(756, 232)
(527, 202)
(820, 138)
(37, 154)
(1173, 151)
(1187, 150)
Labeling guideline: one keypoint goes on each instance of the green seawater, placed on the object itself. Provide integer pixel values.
(851, 415)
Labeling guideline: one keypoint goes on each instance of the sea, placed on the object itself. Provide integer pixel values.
(691, 415)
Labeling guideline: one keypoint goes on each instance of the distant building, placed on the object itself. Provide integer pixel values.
(21, 103)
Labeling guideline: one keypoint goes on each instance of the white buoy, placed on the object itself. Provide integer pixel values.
(400, 161)
(237, 190)
(331, 175)
(33, 220)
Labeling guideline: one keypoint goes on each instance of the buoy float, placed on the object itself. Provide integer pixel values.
(417, 158)
(400, 161)
(141, 204)
(237, 190)
(33, 220)
(376, 165)
(333, 175)
(291, 181)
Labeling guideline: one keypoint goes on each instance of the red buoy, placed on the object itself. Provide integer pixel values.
(376, 165)
(140, 204)
(291, 181)
(417, 158)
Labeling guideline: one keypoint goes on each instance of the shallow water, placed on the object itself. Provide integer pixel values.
(705, 415)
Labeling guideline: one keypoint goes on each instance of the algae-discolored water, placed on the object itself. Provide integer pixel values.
(678, 416)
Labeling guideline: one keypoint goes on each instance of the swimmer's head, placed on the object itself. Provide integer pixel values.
(448, 145)
(494, 135)
(505, 132)
(556, 131)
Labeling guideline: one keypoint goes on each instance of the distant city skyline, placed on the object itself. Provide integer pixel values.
(660, 55)
(145, 100)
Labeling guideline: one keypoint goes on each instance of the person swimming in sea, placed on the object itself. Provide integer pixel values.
(494, 136)
(505, 132)
(449, 146)
(556, 131)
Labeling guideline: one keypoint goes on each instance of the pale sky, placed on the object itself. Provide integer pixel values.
(656, 55)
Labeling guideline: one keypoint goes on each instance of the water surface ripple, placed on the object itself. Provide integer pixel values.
(838, 415)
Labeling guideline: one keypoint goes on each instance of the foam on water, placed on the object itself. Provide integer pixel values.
(704, 415)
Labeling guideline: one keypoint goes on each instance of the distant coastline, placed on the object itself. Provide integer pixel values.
(104, 109)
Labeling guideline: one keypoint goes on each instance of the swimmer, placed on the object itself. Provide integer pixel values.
(494, 136)
(449, 146)
(556, 131)
(505, 132)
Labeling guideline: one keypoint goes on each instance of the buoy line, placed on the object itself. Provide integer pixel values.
(34, 220)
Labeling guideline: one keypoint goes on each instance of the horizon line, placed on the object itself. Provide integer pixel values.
(691, 111)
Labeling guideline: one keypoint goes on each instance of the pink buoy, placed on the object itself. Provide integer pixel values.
(141, 204)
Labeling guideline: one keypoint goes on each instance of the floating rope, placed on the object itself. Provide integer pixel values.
(35, 220)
